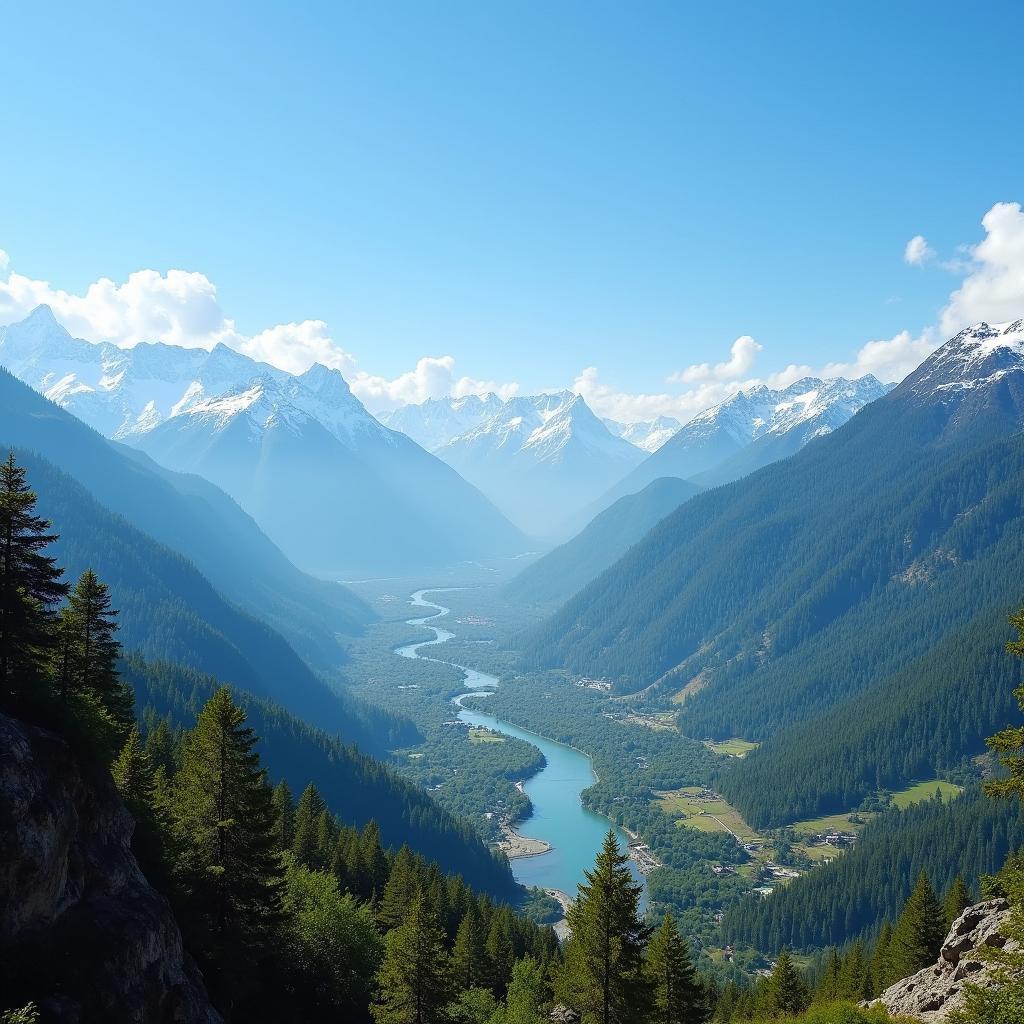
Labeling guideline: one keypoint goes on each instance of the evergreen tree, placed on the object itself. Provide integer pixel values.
(917, 937)
(160, 746)
(401, 887)
(602, 977)
(469, 955)
(305, 845)
(881, 961)
(828, 987)
(230, 868)
(373, 864)
(957, 900)
(785, 991)
(284, 816)
(135, 779)
(87, 631)
(501, 952)
(855, 974)
(527, 994)
(414, 980)
(678, 995)
(30, 585)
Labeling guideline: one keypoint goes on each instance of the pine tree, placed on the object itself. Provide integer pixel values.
(305, 845)
(402, 885)
(957, 900)
(230, 868)
(881, 961)
(917, 937)
(373, 864)
(678, 995)
(414, 980)
(855, 974)
(785, 991)
(527, 993)
(30, 586)
(501, 952)
(135, 779)
(88, 627)
(161, 746)
(469, 955)
(284, 816)
(828, 987)
(602, 977)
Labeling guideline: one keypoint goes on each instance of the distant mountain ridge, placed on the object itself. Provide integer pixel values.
(648, 435)
(750, 429)
(539, 458)
(333, 487)
(832, 604)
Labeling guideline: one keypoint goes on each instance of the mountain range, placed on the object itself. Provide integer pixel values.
(333, 487)
(750, 429)
(539, 458)
(859, 583)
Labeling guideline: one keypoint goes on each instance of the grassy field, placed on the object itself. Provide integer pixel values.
(920, 791)
(705, 815)
(480, 735)
(731, 748)
(913, 794)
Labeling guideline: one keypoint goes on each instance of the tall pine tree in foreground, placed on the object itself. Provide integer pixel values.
(678, 995)
(230, 869)
(415, 979)
(30, 586)
(917, 937)
(603, 977)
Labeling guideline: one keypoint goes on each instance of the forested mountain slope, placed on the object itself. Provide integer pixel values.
(170, 610)
(355, 787)
(571, 566)
(190, 516)
(969, 836)
(776, 599)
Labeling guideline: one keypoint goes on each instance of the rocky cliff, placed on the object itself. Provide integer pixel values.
(82, 933)
(934, 993)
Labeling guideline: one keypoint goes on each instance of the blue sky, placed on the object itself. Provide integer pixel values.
(529, 189)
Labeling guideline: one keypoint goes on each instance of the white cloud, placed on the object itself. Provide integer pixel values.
(918, 251)
(742, 355)
(182, 308)
(295, 347)
(993, 289)
(433, 377)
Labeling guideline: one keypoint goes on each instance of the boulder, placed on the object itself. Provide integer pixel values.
(82, 933)
(936, 991)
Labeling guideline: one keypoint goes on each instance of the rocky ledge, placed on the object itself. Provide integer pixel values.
(934, 993)
(82, 933)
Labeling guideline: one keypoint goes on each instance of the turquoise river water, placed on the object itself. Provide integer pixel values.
(574, 833)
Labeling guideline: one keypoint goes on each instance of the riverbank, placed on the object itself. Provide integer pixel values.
(561, 927)
(516, 846)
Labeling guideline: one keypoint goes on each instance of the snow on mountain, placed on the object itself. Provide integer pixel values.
(333, 486)
(541, 458)
(435, 422)
(750, 429)
(977, 356)
(648, 435)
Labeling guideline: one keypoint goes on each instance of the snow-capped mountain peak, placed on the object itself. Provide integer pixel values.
(978, 355)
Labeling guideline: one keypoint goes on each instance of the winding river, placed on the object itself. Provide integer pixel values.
(559, 818)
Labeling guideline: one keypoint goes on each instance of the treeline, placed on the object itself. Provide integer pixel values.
(171, 611)
(847, 899)
(291, 913)
(356, 788)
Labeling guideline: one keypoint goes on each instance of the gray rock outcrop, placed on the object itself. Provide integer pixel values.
(82, 933)
(935, 992)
